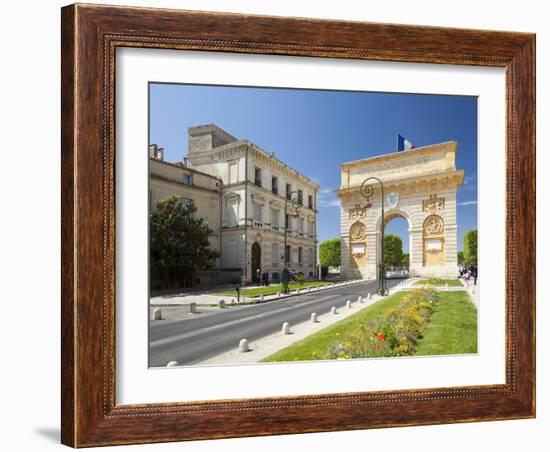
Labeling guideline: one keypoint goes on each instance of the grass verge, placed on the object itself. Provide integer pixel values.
(273, 289)
(439, 282)
(452, 329)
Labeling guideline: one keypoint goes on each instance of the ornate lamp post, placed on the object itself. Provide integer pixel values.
(367, 191)
(296, 202)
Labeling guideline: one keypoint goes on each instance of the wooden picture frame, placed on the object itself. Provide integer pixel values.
(90, 36)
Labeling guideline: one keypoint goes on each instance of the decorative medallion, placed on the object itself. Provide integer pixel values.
(358, 231)
(357, 213)
(392, 199)
(434, 203)
(433, 225)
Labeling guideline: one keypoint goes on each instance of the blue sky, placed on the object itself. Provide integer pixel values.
(314, 131)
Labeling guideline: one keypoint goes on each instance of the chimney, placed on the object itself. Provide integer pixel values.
(155, 152)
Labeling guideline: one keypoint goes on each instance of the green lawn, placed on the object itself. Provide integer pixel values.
(452, 328)
(312, 347)
(273, 289)
(439, 282)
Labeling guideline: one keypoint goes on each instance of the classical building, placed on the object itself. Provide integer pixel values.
(251, 187)
(420, 186)
(203, 190)
(255, 187)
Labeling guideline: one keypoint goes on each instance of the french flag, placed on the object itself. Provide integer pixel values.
(403, 144)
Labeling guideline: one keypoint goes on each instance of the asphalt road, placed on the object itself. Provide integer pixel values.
(204, 335)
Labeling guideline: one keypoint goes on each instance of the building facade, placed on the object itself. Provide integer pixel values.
(255, 188)
(203, 190)
(252, 193)
(420, 186)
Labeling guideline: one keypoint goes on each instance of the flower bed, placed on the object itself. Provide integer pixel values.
(393, 333)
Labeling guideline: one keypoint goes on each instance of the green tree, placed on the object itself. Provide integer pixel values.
(405, 260)
(179, 242)
(470, 247)
(329, 252)
(460, 257)
(393, 250)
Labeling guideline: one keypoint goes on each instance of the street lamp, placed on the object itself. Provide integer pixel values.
(296, 202)
(367, 191)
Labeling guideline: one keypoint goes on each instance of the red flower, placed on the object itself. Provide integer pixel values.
(380, 336)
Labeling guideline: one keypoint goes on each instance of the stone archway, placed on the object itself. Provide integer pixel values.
(420, 185)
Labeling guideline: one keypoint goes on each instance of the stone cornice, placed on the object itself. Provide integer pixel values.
(448, 146)
(450, 176)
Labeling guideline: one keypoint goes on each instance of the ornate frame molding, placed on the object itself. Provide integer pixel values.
(90, 36)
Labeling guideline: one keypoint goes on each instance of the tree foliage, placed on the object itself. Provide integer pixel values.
(393, 250)
(460, 257)
(405, 262)
(470, 247)
(179, 242)
(329, 252)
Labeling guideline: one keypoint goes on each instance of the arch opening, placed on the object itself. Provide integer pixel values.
(397, 244)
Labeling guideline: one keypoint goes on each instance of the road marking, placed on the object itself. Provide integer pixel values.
(178, 337)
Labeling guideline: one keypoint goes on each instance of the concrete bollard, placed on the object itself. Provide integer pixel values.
(333, 310)
(298, 291)
(278, 294)
(157, 314)
(232, 301)
(286, 328)
(360, 299)
(308, 289)
(348, 304)
(243, 346)
(192, 308)
(369, 296)
(262, 297)
(172, 364)
(314, 317)
(221, 304)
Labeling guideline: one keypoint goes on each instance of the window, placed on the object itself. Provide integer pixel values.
(310, 201)
(274, 185)
(310, 256)
(288, 190)
(258, 213)
(258, 176)
(188, 179)
(301, 225)
(274, 219)
(275, 255)
(300, 255)
(300, 196)
(310, 228)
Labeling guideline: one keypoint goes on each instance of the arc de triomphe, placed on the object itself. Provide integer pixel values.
(420, 186)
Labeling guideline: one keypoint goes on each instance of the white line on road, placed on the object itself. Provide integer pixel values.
(179, 337)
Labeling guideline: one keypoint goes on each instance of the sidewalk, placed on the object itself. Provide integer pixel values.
(209, 299)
